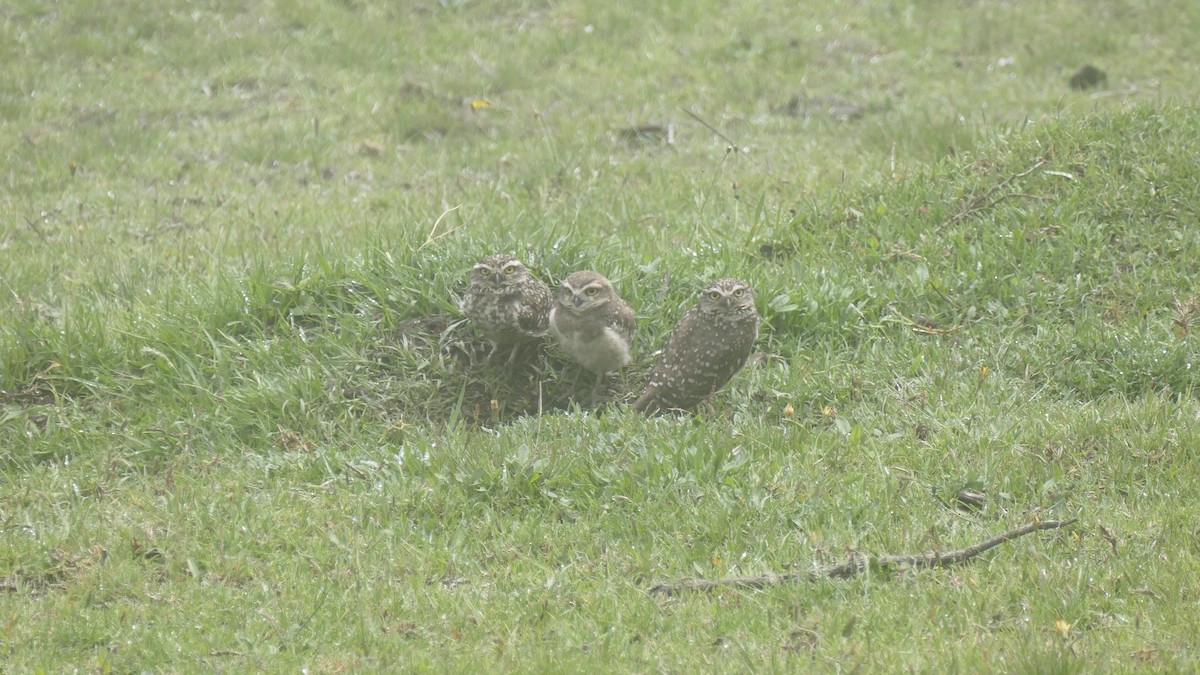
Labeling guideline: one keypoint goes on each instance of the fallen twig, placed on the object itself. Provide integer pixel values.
(733, 146)
(989, 199)
(923, 324)
(433, 233)
(860, 563)
(36, 229)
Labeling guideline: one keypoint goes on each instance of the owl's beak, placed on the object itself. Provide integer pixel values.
(578, 301)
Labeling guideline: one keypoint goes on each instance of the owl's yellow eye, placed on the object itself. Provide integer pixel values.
(510, 269)
(484, 271)
(714, 295)
(592, 291)
(739, 292)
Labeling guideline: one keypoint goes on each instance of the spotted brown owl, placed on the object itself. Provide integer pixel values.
(592, 324)
(709, 344)
(506, 303)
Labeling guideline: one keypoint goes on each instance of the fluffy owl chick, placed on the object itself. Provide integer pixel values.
(592, 324)
(506, 303)
(709, 344)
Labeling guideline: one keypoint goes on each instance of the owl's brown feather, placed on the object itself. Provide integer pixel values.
(592, 324)
(505, 302)
(705, 349)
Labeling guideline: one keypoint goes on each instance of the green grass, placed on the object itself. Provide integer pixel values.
(241, 428)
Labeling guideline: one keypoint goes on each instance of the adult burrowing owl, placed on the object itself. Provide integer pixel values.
(506, 303)
(592, 324)
(709, 344)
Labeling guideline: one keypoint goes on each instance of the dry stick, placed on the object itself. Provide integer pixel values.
(988, 199)
(860, 563)
(732, 145)
(919, 328)
(433, 235)
(37, 230)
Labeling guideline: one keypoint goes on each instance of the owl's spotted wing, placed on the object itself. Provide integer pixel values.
(736, 352)
(700, 356)
(533, 309)
(659, 394)
(622, 321)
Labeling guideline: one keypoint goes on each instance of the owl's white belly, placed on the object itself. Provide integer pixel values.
(604, 353)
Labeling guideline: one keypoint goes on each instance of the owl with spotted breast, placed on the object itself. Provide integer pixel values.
(706, 348)
(592, 324)
(506, 303)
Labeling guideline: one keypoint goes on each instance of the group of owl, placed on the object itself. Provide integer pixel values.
(595, 327)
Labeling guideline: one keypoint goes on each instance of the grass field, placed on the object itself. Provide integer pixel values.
(242, 429)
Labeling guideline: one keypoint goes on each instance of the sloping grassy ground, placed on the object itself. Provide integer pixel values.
(242, 429)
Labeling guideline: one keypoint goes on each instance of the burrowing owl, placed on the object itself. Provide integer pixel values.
(592, 324)
(709, 344)
(506, 303)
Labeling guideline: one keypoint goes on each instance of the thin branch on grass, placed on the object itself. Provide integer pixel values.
(897, 252)
(361, 474)
(923, 326)
(732, 144)
(433, 233)
(860, 563)
(37, 230)
(989, 199)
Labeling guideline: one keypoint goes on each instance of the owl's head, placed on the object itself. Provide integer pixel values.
(727, 296)
(498, 271)
(585, 291)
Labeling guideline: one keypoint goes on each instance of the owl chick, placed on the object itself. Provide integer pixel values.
(592, 324)
(506, 303)
(709, 344)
